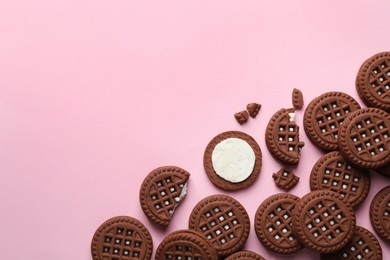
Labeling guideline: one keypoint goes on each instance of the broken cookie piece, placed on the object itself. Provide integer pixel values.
(241, 117)
(162, 191)
(285, 179)
(297, 98)
(253, 109)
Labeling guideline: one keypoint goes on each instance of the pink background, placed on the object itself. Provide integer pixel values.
(96, 94)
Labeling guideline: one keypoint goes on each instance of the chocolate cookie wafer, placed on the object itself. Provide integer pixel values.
(373, 81)
(297, 98)
(273, 224)
(232, 160)
(380, 213)
(285, 179)
(121, 238)
(333, 172)
(364, 138)
(245, 255)
(323, 117)
(223, 221)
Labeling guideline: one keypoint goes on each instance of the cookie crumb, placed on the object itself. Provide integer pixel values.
(285, 179)
(241, 117)
(253, 109)
(297, 98)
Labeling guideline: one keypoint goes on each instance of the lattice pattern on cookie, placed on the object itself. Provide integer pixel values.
(183, 252)
(324, 221)
(278, 224)
(361, 249)
(288, 136)
(165, 193)
(330, 116)
(380, 79)
(340, 177)
(370, 136)
(220, 224)
(121, 243)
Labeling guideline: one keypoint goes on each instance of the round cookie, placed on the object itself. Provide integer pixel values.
(121, 238)
(223, 221)
(364, 138)
(384, 170)
(333, 172)
(324, 115)
(162, 191)
(373, 81)
(380, 213)
(232, 160)
(323, 221)
(363, 245)
(245, 255)
(185, 244)
(273, 224)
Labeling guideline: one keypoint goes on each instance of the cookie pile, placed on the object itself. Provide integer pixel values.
(355, 139)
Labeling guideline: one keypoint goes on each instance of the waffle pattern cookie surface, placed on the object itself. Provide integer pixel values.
(380, 213)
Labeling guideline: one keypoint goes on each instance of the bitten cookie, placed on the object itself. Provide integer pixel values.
(282, 137)
(373, 81)
(323, 117)
(223, 221)
(232, 160)
(162, 191)
(122, 238)
(380, 213)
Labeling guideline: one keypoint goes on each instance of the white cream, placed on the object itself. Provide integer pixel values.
(183, 193)
(233, 159)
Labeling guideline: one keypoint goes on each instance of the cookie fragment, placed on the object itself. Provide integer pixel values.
(282, 137)
(162, 191)
(232, 160)
(285, 179)
(245, 255)
(121, 238)
(364, 138)
(373, 81)
(297, 98)
(323, 221)
(363, 245)
(323, 117)
(333, 172)
(185, 244)
(380, 213)
(223, 221)
(273, 224)
(253, 109)
(241, 117)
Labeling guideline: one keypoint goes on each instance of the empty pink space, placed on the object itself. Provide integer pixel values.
(96, 94)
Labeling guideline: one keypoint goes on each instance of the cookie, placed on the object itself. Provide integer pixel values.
(245, 255)
(162, 191)
(232, 160)
(285, 179)
(241, 117)
(122, 238)
(282, 137)
(253, 109)
(364, 138)
(273, 224)
(185, 244)
(333, 172)
(323, 221)
(380, 213)
(373, 81)
(363, 245)
(297, 98)
(323, 117)
(384, 170)
(223, 221)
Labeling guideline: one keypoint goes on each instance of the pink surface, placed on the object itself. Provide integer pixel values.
(96, 94)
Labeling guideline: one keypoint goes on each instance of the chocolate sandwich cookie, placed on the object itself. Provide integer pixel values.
(363, 245)
(282, 137)
(364, 138)
(297, 98)
(323, 117)
(223, 221)
(162, 191)
(273, 224)
(245, 255)
(185, 244)
(285, 179)
(232, 160)
(121, 238)
(373, 81)
(384, 170)
(323, 221)
(333, 172)
(380, 213)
